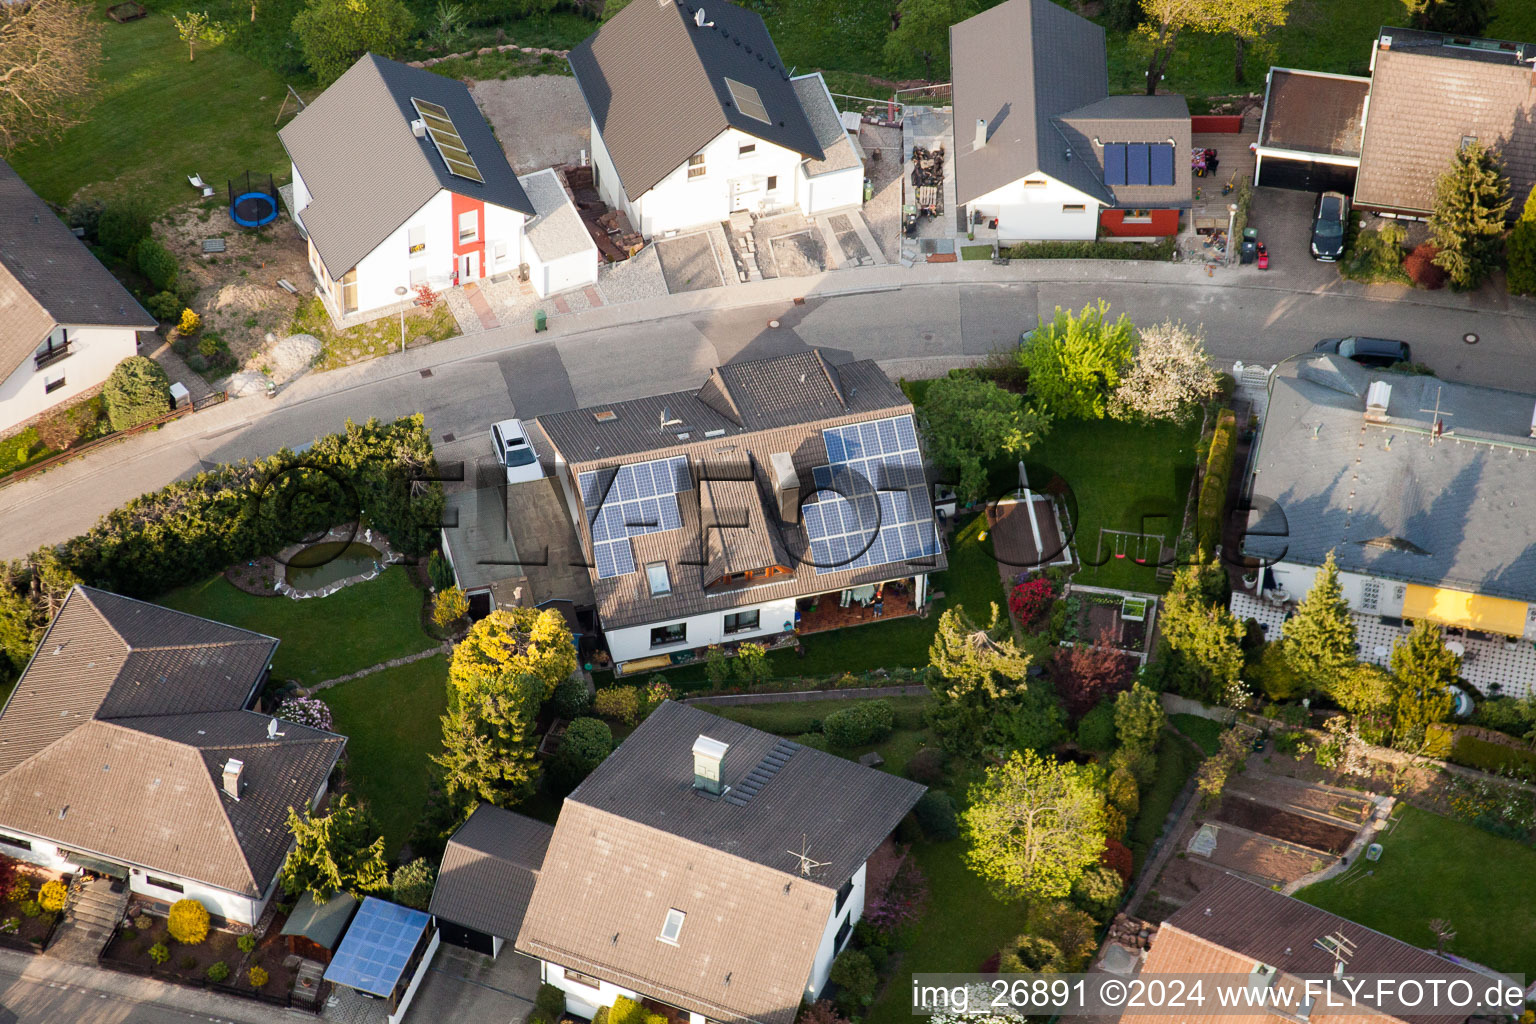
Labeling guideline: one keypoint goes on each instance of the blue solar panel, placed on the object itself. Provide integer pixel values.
(871, 505)
(1162, 164)
(377, 947)
(1136, 163)
(1114, 163)
(629, 502)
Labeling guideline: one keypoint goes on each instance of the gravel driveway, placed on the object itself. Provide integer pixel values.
(541, 120)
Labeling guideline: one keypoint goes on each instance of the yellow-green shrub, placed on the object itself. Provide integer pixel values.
(188, 922)
(53, 896)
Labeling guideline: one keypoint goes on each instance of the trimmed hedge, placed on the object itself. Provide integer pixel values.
(1474, 752)
(1162, 250)
(1213, 489)
(188, 530)
(137, 390)
(866, 722)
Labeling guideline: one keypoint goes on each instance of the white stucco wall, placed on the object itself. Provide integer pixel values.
(1035, 212)
(831, 191)
(559, 275)
(826, 952)
(634, 642)
(506, 226)
(93, 352)
(301, 193)
(678, 201)
(1297, 579)
(582, 1000)
(608, 184)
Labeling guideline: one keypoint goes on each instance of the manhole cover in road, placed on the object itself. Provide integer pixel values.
(426, 373)
(773, 323)
(448, 438)
(927, 337)
(1469, 338)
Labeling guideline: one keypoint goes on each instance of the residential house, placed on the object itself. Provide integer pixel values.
(65, 321)
(129, 748)
(783, 494)
(399, 182)
(487, 877)
(708, 870)
(694, 117)
(1419, 487)
(1428, 94)
(1040, 145)
(1240, 929)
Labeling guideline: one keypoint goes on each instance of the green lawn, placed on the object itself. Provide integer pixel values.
(976, 252)
(323, 637)
(1205, 732)
(155, 118)
(1434, 867)
(391, 723)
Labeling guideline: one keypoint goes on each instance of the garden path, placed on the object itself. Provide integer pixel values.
(445, 647)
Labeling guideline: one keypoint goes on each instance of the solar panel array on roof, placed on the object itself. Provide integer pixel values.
(450, 146)
(377, 947)
(631, 501)
(1162, 165)
(1114, 163)
(871, 503)
(1136, 172)
(1138, 163)
(753, 782)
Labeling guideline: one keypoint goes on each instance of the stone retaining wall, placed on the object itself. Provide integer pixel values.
(486, 51)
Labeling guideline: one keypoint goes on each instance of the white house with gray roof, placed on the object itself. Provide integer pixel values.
(399, 182)
(1422, 489)
(694, 117)
(1040, 145)
(65, 321)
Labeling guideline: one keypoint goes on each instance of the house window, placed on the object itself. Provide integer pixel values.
(349, 292)
(773, 182)
(747, 149)
(164, 883)
(50, 386)
(417, 237)
(20, 844)
(1034, 183)
(1138, 217)
(672, 927)
(743, 622)
(499, 252)
(469, 225)
(696, 166)
(656, 575)
(418, 276)
(1399, 592)
(1468, 140)
(1073, 207)
(675, 633)
(842, 935)
(842, 895)
(1370, 594)
(581, 979)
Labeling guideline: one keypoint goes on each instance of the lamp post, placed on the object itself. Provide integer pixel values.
(400, 291)
(1231, 224)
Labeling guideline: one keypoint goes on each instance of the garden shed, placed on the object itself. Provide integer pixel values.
(487, 877)
(314, 928)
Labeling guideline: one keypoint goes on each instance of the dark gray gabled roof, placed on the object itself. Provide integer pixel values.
(367, 173)
(48, 277)
(1383, 498)
(655, 83)
(1017, 66)
(489, 871)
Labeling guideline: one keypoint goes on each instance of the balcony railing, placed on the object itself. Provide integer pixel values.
(53, 355)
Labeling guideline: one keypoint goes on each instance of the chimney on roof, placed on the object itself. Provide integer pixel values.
(786, 486)
(234, 768)
(981, 132)
(419, 128)
(1386, 42)
(1377, 397)
(708, 757)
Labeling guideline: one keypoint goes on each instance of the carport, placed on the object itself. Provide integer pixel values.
(1310, 133)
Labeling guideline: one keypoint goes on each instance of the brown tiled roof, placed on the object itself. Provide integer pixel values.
(655, 83)
(48, 277)
(489, 871)
(1308, 112)
(635, 840)
(116, 736)
(1227, 927)
(1150, 119)
(1425, 98)
(775, 406)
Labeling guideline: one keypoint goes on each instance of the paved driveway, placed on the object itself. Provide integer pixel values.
(465, 986)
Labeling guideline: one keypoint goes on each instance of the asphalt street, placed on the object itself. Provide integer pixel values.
(462, 386)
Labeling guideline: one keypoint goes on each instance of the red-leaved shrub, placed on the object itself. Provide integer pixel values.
(1421, 269)
(1030, 601)
(1117, 856)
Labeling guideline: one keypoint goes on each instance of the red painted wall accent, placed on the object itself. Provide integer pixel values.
(1164, 222)
(463, 204)
(1223, 124)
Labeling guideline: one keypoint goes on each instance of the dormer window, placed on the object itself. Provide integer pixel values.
(748, 101)
(672, 927)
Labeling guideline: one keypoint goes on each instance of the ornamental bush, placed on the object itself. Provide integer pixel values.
(135, 391)
(159, 954)
(1031, 600)
(53, 896)
(257, 976)
(855, 979)
(549, 1004)
(246, 942)
(123, 225)
(187, 922)
(451, 606)
(31, 909)
(1097, 891)
(935, 812)
(413, 882)
(156, 263)
(1421, 269)
(310, 711)
(439, 572)
(865, 722)
(1096, 731)
(620, 703)
(189, 325)
(927, 766)
(570, 699)
(163, 305)
(218, 971)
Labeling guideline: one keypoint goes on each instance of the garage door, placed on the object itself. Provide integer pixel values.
(1306, 175)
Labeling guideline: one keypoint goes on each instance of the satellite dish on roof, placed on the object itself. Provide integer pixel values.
(698, 19)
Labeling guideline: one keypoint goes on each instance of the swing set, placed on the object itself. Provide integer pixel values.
(1141, 548)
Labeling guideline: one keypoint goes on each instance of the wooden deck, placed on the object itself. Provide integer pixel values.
(830, 615)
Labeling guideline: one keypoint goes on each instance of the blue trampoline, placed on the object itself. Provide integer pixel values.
(252, 204)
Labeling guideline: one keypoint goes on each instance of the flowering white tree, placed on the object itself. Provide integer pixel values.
(309, 711)
(1169, 374)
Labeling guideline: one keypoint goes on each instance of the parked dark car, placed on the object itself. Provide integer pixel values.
(1328, 226)
(1367, 351)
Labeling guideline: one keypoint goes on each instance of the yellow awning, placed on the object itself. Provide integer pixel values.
(1472, 611)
